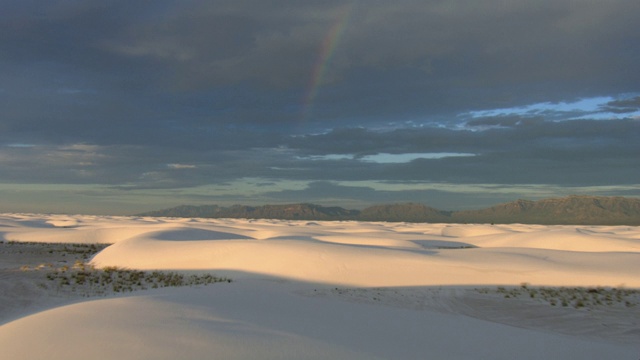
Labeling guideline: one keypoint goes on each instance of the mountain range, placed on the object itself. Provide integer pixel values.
(574, 209)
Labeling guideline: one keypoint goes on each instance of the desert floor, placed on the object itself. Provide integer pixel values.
(267, 289)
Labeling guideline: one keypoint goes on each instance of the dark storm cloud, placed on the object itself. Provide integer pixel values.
(514, 133)
(504, 121)
(134, 64)
(580, 152)
(623, 106)
(585, 152)
(174, 94)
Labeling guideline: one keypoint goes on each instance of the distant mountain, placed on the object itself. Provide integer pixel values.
(579, 210)
(410, 212)
(288, 212)
(285, 212)
(189, 211)
(576, 210)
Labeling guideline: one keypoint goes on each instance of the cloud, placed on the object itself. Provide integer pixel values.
(623, 106)
(430, 58)
(405, 158)
(181, 166)
(177, 95)
(581, 152)
(594, 108)
(384, 158)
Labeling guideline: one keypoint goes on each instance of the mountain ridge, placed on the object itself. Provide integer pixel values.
(573, 210)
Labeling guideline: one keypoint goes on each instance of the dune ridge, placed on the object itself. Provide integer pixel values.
(310, 290)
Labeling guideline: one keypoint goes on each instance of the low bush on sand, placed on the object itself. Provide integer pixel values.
(86, 280)
(576, 297)
(94, 281)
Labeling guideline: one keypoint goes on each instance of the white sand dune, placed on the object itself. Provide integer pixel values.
(258, 320)
(287, 298)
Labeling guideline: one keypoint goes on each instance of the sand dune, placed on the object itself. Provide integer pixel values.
(344, 290)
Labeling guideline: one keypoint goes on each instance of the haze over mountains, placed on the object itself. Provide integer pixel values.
(582, 210)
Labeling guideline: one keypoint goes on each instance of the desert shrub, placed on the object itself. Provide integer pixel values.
(90, 280)
(577, 297)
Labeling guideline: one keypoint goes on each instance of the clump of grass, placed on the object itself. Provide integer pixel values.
(577, 297)
(83, 251)
(84, 279)
(89, 280)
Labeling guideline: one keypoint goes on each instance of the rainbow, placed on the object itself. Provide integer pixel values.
(327, 49)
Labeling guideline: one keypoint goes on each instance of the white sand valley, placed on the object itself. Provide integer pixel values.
(347, 290)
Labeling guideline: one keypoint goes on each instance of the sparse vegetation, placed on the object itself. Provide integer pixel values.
(81, 251)
(87, 279)
(84, 279)
(576, 297)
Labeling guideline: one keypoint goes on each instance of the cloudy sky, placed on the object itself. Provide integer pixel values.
(118, 107)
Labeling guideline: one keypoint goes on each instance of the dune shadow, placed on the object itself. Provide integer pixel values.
(295, 237)
(443, 244)
(40, 224)
(198, 235)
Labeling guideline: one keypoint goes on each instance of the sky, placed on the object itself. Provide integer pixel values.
(120, 107)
